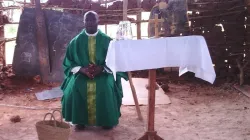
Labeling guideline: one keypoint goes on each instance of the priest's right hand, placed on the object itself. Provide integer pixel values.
(87, 71)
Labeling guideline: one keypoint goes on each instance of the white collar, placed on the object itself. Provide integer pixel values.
(91, 34)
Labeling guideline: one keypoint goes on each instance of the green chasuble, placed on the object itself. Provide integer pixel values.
(94, 102)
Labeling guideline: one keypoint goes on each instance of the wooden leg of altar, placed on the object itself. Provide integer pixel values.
(151, 134)
(156, 86)
(135, 96)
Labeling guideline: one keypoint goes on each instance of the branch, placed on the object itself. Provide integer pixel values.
(235, 54)
(218, 15)
(213, 2)
(107, 1)
(238, 63)
(245, 65)
(8, 39)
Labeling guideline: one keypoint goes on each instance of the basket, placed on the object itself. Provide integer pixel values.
(52, 129)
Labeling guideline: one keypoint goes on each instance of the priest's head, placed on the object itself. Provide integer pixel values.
(91, 20)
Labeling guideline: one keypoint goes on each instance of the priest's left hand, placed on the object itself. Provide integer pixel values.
(95, 69)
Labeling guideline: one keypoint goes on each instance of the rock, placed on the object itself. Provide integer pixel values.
(15, 119)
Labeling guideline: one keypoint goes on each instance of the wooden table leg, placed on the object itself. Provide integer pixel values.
(151, 134)
(156, 86)
(135, 96)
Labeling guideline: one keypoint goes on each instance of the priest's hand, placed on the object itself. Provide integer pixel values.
(97, 70)
(91, 70)
(87, 71)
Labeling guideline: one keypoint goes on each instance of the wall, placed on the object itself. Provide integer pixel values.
(222, 23)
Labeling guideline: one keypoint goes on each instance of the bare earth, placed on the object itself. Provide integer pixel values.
(196, 113)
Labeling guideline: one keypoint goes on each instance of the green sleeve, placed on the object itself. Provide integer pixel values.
(123, 75)
(68, 62)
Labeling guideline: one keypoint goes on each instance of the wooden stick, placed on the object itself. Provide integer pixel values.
(125, 9)
(212, 2)
(111, 15)
(125, 5)
(106, 28)
(218, 10)
(2, 47)
(241, 69)
(218, 15)
(4, 55)
(138, 17)
(135, 96)
(8, 39)
(75, 9)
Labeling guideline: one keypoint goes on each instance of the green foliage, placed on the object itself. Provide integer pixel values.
(10, 31)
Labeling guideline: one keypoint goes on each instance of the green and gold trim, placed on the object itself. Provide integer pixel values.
(92, 48)
(91, 84)
(91, 101)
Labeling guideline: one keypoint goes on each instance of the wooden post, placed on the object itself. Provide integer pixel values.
(151, 134)
(106, 28)
(42, 43)
(125, 7)
(4, 52)
(138, 18)
(32, 2)
(2, 44)
(24, 5)
(247, 2)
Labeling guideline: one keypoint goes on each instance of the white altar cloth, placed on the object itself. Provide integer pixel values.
(189, 53)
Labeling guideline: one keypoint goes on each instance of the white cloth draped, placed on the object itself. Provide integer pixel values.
(189, 53)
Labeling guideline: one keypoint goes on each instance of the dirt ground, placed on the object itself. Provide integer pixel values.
(197, 112)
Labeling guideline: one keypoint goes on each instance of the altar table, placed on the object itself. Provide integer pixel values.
(189, 53)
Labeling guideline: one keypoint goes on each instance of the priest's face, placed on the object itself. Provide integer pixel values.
(91, 23)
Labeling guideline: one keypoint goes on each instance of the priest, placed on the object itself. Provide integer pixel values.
(91, 95)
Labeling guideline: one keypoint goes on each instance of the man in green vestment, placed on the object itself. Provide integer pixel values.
(91, 95)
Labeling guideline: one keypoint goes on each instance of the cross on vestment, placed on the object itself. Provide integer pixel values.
(151, 134)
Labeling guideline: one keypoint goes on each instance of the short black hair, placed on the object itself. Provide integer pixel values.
(90, 12)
